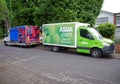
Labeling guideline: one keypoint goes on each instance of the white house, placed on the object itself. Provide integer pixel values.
(117, 23)
(104, 17)
(117, 19)
(109, 17)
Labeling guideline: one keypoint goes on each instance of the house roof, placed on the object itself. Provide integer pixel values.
(117, 13)
(110, 13)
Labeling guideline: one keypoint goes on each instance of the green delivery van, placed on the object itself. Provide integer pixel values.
(80, 36)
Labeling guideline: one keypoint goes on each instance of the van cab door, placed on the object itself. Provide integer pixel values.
(84, 40)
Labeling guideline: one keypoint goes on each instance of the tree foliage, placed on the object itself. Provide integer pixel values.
(3, 10)
(38, 12)
(22, 12)
(4, 16)
(68, 11)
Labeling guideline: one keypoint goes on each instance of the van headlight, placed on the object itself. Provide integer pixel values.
(106, 44)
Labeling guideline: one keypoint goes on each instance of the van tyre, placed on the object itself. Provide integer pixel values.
(55, 49)
(95, 52)
(5, 43)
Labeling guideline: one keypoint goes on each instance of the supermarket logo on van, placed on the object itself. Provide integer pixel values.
(65, 29)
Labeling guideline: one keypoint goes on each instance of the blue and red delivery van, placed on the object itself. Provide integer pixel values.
(23, 35)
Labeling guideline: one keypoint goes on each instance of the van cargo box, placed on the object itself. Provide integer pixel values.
(24, 34)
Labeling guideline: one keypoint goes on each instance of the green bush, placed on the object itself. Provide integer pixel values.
(107, 30)
(117, 41)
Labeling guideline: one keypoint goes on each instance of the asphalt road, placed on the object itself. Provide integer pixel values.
(39, 65)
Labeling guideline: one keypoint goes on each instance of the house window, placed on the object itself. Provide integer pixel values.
(118, 19)
(102, 20)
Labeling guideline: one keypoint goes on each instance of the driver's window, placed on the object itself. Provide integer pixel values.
(85, 34)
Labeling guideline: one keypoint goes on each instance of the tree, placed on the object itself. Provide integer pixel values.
(4, 17)
(51, 11)
(3, 10)
(22, 12)
(37, 12)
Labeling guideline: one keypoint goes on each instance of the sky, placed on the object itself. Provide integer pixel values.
(111, 6)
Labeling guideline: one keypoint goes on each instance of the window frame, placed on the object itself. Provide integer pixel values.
(102, 20)
(117, 19)
(85, 36)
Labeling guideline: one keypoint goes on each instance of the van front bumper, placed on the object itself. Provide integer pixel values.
(108, 49)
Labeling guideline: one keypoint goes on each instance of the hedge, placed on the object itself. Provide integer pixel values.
(107, 30)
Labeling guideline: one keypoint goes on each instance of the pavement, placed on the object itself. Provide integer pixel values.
(116, 55)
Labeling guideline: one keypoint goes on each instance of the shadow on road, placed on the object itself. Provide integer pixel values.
(72, 51)
(68, 51)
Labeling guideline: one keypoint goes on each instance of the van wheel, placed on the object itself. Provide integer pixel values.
(55, 49)
(5, 43)
(95, 52)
